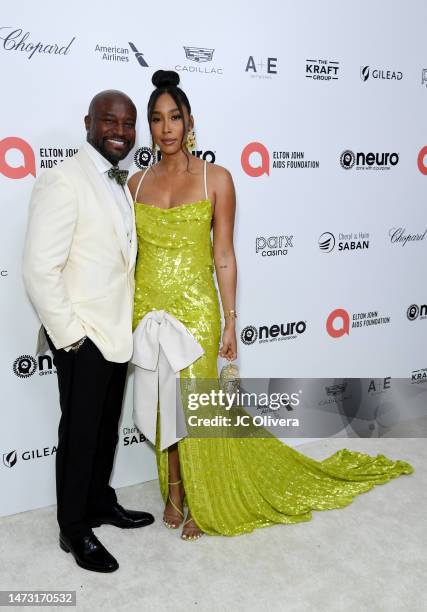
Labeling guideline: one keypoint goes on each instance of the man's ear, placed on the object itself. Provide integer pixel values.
(87, 123)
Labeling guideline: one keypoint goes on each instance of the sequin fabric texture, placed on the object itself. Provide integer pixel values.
(232, 485)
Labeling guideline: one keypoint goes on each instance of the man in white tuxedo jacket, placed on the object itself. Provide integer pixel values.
(79, 261)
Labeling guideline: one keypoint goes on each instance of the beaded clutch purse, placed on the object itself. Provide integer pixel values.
(229, 378)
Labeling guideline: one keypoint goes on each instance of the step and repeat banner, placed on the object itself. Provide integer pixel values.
(318, 109)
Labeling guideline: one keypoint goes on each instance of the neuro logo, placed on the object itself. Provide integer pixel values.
(25, 366)
(249, 334)
(144, 156)
(367, 161)
(262, 155)
(343, 316)
(414, 311)
(28, 158)
(347, 159)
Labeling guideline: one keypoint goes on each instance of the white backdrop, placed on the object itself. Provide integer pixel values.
(316, 78)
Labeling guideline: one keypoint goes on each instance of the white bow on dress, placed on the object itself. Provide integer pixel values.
(162, 346)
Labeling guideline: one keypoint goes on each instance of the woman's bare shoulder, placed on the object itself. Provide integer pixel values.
(219, 174)
(134, 179)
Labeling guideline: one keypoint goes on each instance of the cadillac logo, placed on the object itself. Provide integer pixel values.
(199, 54)
(337, 389)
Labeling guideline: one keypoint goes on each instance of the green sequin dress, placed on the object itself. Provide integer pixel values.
(232, 485)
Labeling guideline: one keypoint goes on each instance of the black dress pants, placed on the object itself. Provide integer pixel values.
(90, 393)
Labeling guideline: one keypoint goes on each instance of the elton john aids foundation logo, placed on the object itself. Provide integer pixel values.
(338, 323)
(19, 150)
(421, 161)
(255, 159)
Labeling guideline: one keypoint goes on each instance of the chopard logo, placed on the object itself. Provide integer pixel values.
(14, 39)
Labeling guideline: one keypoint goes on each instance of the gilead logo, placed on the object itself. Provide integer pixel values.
(421, 160)
(29, 162)
(258, 151)
(344, 321)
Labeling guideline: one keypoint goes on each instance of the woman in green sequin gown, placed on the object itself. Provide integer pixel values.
(231, 485)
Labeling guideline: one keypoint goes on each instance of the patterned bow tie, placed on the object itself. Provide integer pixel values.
(118, 175)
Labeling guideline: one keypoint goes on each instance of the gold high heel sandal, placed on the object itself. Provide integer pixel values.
(173, 525)
(191, 538)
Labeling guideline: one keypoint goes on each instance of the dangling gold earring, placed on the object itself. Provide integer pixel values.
(190, 143)
(153, 152)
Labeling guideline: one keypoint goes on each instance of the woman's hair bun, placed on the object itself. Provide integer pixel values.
(165, 78)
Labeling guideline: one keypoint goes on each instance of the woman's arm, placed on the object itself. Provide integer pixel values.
(224, 257)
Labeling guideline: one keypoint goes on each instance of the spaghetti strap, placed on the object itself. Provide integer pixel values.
(140, 183)
(206, 185)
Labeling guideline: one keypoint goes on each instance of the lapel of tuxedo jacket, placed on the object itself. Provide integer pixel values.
(104, 193)
(134, 243)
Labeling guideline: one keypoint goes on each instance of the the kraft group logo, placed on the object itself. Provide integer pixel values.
(27, 158)
(321, 69)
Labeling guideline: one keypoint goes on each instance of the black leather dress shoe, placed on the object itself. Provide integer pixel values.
(89, 553)
(120, 517)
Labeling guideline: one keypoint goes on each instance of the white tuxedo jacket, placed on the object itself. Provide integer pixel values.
(78, 269)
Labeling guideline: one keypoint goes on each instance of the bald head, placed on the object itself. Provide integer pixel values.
(109, 95)
(110, 124)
